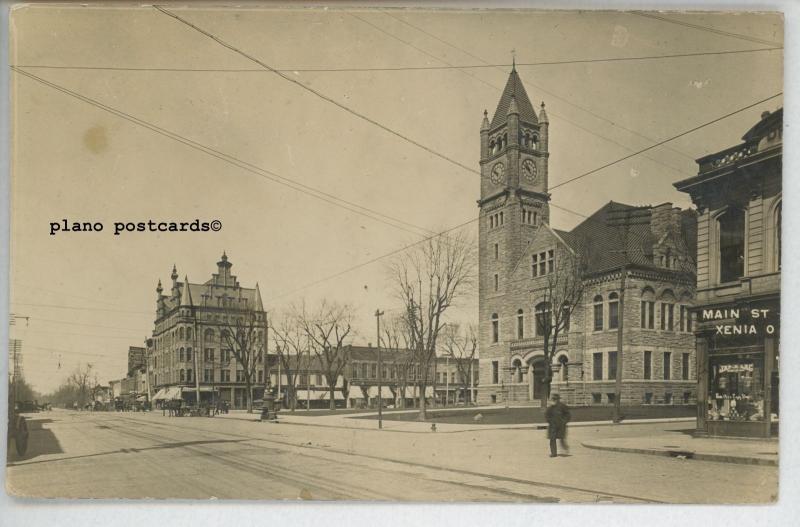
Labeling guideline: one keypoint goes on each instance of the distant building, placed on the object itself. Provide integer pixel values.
(136, 359)
(188, 351)
(738, 193)
(520, 253)
(449, 379)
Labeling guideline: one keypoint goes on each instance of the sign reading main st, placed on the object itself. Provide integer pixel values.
(742, 328)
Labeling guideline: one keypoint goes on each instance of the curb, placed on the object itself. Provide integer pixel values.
(687, 454)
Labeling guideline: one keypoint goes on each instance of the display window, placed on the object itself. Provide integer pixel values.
(736, 388)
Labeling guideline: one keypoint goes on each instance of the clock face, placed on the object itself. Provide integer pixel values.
(529, 170)
(498, 173)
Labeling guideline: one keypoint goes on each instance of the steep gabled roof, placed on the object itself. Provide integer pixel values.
(515, 89)
(603, 242)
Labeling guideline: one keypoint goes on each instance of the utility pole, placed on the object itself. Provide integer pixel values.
(624, 218)
(378, 315)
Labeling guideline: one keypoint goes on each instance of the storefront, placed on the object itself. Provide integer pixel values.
(737, 353)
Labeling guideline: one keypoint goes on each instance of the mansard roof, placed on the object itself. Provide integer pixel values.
(515, 89)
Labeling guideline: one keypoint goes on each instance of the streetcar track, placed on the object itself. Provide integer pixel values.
(591, 492)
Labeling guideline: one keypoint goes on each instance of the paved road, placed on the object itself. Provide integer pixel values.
(110, 455)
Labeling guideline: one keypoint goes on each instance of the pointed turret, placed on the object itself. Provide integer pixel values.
(159, 289)
(174, 274)
(186, 295)
(485, 123)
(543, 115)
(514, 89)
(259, 305)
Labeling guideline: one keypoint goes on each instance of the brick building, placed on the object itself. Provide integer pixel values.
(738, 193)
(136, 358)
(188, 353)
(358, 385)
(520, 253)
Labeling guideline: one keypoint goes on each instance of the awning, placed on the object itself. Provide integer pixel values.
(386, 393)
(204, 389)
(166, 394)
(142, 398)
(325, 396)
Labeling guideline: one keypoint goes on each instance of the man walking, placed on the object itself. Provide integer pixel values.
(557, 416)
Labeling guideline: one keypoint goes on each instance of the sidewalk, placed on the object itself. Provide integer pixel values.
(357, 421)
(683, 446)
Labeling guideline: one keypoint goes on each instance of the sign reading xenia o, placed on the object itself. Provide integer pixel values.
(741, 327)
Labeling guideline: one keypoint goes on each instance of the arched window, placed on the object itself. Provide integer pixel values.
(563, 362)
(731, 245)
(648, 308)
(209, 335)
(543, 319)
(492, 146)
(517, 365)
(188, 333)
(686, 315)
(598, 313)
(667, 310)
(613, 311)
(778, 218)
(520, 324)
(535, 144)
(566, 314)
(181, 355)
(183, 375)
(188, 354)
(180, 333)
(495, 328)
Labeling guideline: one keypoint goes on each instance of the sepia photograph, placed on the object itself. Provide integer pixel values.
(379, 254)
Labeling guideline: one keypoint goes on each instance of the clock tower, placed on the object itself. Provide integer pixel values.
(514, 198)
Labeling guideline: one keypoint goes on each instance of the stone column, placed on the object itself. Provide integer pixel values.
(701, 355)
(530, 382)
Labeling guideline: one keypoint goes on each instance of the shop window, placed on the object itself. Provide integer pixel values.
(736, 388)
(613, 311)
(597, 398)
(597, 367)
(667, 365)
(520, 324)
(598, 313)
(648, 398)
(495, 328)
(648, 365)
(730, 259)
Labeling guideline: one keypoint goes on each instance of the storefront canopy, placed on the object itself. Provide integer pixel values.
(325, 396)
(168, 394)
(386, 393)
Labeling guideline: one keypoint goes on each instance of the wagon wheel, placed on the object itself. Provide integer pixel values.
(21, 437)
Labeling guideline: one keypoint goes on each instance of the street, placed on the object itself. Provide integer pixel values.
(140, 455)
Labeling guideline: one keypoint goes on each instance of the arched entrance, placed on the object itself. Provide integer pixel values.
(536, 374)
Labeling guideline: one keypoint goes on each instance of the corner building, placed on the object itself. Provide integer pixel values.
(188, 352)
(519, 251)
(738, 193)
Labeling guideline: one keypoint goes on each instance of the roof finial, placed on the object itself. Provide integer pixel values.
(513, 60)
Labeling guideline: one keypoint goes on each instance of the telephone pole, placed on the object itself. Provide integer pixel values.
(378, 315)
(624, 218)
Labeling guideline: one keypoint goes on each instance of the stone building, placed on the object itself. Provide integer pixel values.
(738, 193)
(136, 358)
(520, 254)
(188, 353)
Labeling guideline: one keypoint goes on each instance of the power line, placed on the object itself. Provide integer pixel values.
(80, 308)
(315, 92)
(400, 68)
(244, 165)
(590, 112)
(498, 88)
(68, 322)
(706, 28)
(685, 132)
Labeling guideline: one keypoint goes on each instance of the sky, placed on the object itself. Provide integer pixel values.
(88, 296)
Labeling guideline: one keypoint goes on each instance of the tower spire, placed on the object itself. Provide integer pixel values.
(513, 60)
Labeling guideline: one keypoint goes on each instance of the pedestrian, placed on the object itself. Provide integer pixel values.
(557, 416)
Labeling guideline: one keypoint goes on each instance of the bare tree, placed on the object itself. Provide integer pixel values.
(395, 340)
(429, 278)
(244, 331)
(81, 379)
(328, 329)
(289, 349)
(462, 346)
(558, 296)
